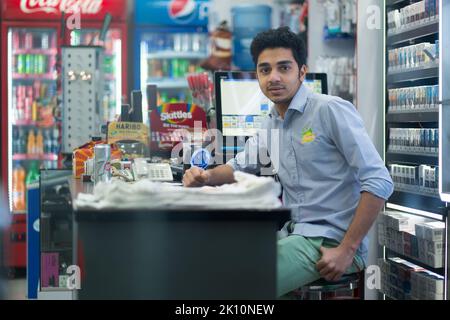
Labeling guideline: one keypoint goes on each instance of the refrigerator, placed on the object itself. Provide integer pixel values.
(31, 37)
(170, 41)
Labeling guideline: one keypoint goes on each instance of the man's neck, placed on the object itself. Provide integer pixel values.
(282, 108)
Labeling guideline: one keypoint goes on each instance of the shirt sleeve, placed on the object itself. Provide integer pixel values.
(247, 160)
(347, 130)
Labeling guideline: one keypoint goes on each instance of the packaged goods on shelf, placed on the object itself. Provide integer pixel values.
(413, 140)
(424, 54)
(412, 15)
(413, 99)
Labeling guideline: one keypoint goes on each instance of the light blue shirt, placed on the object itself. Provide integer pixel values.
(324, 161)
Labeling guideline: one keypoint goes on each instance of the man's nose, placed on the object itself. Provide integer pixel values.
(274, 76)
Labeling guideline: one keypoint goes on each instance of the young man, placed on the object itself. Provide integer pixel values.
(332, 176)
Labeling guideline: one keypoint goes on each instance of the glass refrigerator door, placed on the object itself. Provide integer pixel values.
(33, 132)
(112, 67)
(166, 60)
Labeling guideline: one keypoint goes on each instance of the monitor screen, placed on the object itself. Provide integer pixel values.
(241, 105)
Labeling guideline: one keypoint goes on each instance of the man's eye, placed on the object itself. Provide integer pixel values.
(264, 71)
(285, 68)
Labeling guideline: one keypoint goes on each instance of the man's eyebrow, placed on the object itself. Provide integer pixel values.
(279, 63)
(284, 62)
(264, 64)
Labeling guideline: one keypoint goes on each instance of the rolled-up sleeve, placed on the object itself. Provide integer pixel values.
(347, 130)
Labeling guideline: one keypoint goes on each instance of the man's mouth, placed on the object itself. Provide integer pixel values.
(275, 89)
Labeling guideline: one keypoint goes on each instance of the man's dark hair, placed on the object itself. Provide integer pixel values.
(279, 38)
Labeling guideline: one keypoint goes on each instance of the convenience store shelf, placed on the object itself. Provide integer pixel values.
(36, 51)
(394, 2)
(428, 158)
(420, 263)
(176, 55)
(418, 201)
(431, 115)
(168, 83)
(413, 74)
(47, 76)
(30, 123)
(419, 30)
(44, 157)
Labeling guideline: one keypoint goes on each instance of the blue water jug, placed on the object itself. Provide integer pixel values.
(248, 21)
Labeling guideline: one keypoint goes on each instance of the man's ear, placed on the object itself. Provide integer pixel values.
(302, 72)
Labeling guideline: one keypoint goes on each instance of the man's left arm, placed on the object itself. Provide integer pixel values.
(336, 261)
(347, 131)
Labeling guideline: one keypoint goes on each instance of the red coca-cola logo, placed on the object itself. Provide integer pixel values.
(56, 6)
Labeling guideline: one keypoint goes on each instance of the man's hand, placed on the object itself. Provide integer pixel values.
(195, 177)
(334, 262)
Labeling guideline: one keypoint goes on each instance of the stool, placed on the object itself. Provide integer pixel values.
(349, 287)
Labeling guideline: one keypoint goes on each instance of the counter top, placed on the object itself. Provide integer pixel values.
(77, 186)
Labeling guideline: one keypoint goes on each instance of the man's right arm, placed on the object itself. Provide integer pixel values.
(196, 177)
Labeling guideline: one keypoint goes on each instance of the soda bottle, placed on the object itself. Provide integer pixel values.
(55, 143)
(16, 141)
(20, 64)
(21, 146)
(47, 142)
(33, 173)
(18, 185)
(39, 142)
(31, 145)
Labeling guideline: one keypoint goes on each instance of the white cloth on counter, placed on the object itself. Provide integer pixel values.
(248, 192)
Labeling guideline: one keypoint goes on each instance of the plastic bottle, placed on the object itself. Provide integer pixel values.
(18, 195)
(55, 143)
(31, 145)
(33, 173)
(48, 144)
(39, 143)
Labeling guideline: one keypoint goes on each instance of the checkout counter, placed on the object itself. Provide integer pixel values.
(170, 253)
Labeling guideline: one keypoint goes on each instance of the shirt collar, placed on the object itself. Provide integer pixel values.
(298, 101)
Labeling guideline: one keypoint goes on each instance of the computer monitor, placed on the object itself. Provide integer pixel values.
(241, 105)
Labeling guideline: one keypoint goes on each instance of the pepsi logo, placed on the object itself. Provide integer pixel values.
(182, 11)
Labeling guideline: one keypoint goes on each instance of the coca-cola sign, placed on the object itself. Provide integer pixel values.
(52, 9)
(55, 6)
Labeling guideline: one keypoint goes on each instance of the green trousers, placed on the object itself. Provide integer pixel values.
(297, 258)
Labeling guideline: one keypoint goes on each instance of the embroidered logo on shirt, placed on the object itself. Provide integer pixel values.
(307, 135)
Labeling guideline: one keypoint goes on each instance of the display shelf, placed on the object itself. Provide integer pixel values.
(413, 74)
(428, 158)
(30, 123)
(176, 55)
(36, 51)
(430, 115)
(167, 83)
(47, 76)
(426, 192)
(390, 3)
(418, 202)
(409, 33)
(420, 263)
(45, 157)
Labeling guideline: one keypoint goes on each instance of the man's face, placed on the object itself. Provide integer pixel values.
(279, 75)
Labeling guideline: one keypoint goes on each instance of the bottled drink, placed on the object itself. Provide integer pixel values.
(47, 142)
(21, 146)
(16, 141)
(55, 143)
(21, 63)
(39, 142)
(33, 173)
(18, 194)
(31, 145)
